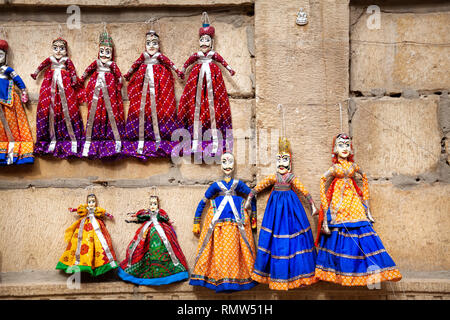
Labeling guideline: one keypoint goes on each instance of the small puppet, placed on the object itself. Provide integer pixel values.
(16, 142)
(226, 251)
(89, 246)
(286, 254)
(204, 104)
(59, 127)
(350, 251)
(154, 256)
(105, 128)
(152, 116)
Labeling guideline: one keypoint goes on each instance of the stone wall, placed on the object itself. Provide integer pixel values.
(393, 82)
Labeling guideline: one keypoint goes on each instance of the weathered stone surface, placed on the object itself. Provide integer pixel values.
(408, 51)
(309, 80)
(30, 44)
(396, 135)
(309, 64)
(416, 219)
(33, 221)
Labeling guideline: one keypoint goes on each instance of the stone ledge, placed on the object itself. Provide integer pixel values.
(53, 285)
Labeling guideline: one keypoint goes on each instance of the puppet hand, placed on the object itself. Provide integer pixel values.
(109, 215)
(180, 74)
(369, 216)
(127, 76)
(232, 72)
(196, 229)
(314, 211)
(253, 221)
(325, 229)
(33, 75)
(24, 96)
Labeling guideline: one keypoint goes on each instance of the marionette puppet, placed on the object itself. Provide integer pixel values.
(89, 246)
(152, 117)
(16, 142)
(154, 256)
(59, 127)
(204, 104)
(226, 252)
(286, 254)
(350, 251)
(105, 128)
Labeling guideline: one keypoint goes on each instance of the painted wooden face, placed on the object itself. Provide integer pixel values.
(152, 44)
(105, 53)
(283, 162)
(92, 202)
(59, 49)
(227, 163)
(205, 43)
(2, 57)
(153, 204)
(343, 147)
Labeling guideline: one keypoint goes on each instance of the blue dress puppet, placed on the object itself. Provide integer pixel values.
(286, 253)
(16, 142)
(226, 252)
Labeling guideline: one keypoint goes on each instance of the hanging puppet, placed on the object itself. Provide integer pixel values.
(226, 253)
(154, 256)
(204, 104)
(89, 246)
(105, 128)
(152, 117)
(286, 254)
(16, 142)
(59, 127)
(350, 251)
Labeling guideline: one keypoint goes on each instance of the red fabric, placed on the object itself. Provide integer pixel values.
(164, 91)
(74, 94)
(108, 241)
(209, 30)
(113, 83)
(4, 45)
(221, 103)
(142, 249)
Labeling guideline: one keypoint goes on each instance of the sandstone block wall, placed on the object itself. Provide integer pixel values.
(392, 84)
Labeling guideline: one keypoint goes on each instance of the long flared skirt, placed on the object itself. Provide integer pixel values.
(226, 263)
(286, 253)
(151, 263)
(93, 257)
(354, 257)
(20, 130)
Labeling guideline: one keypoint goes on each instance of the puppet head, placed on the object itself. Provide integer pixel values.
(284, 156)
(227, 163)
(59, 47)
(106, 48)
(91, 201)
(342, 147)
(3, 51)
(152, 42)
(154, 203)
(206, 33)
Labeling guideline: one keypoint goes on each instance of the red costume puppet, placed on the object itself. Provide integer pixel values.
(204, 104)
(152, 117)
(105, 128)
(59, 128)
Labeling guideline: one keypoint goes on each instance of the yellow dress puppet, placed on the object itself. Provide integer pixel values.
(350, 251)
(89, 246)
